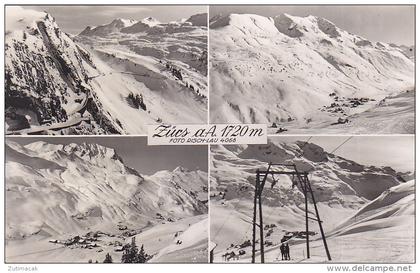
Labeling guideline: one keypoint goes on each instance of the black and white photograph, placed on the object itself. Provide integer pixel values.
(315, 199)
(314, 69)
(169, 134)
(104, 200)
(94, 70)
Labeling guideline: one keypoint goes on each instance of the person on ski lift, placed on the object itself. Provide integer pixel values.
(283, 251)
(294, 182)
(287, 251)
(274, 182)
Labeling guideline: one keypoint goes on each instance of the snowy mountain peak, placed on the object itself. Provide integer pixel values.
(329, 171)
(248, 23)
(150, 21)
(295, 26)
(120, 22)
(328, 28)
(115, 26)
(91, 150)
(144, 25)
(312, 151)
(43, 147)
(286, 25)
(83, 150)
(180, 169)
(19, 18)
(289, 25)
(86, 30)
(198, 19)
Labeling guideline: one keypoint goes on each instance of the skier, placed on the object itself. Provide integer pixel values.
(283, 251)
(287, 251)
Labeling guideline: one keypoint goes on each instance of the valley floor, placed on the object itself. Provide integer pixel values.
(393, 115)
(158, 240)
(393, 245)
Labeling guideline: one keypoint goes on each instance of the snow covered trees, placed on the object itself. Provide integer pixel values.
(108, 259)
(136, 101)
(132, 253)
(175, 71)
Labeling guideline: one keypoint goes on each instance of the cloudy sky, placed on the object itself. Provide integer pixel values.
(74, 19)
(378, 23)
(393, 151)
(137, 154)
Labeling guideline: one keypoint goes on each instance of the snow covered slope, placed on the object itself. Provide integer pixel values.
(301, 73)
(381, 231)
(342, 188)
(192, 232)
(102, 81)
(393, 207)
(57, 191)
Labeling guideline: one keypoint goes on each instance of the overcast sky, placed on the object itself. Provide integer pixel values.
(73, 19)
(137, 154)
(393, 151)
(394, 24)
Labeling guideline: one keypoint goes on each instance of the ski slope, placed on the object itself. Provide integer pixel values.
(367, 211)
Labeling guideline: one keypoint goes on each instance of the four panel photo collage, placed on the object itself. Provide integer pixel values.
(333, 84)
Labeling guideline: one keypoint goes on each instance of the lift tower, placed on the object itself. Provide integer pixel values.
(304, 185)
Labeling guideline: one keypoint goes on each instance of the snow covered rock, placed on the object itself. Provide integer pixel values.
(47, 73)
(198, 20)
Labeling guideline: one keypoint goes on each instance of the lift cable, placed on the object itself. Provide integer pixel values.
(344, 142)
(224, 222)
